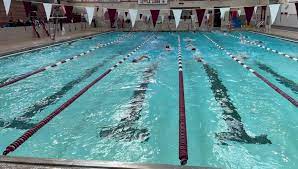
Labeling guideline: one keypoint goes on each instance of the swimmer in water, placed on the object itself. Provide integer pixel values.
(140, 59)
(198, 57)
(191, 47)
(242, 57)
(168, 48)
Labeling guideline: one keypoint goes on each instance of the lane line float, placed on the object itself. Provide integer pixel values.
(39, 70)
(53, 45)
(266, 48)
(278, 90)
(13, 146)
(22, 122)
(183, 153)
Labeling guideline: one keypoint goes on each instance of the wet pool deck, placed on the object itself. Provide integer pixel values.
(39, 163)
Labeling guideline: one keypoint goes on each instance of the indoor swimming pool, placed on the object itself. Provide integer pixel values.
(240, 89)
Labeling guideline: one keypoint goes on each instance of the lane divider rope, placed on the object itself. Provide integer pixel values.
(39, 70)
(278, 90)
(13, 146)
(266, 48)
(183, 153)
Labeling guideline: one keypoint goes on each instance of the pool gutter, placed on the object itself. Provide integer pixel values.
(29, 162)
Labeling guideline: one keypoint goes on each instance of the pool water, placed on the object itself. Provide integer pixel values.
(234, 120)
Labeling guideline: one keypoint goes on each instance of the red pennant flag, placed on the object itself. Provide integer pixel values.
(263, 13)
(27, 6)
(248, 13)
(112, 16)
(68, 12)
(200, 15)
(154, 15)
(296, 4)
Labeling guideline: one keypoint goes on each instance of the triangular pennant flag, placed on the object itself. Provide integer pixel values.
(47, 9)
(154, 15)
(248, 13)
(112, 15)
(27, 6)
(133, 16)
(193, 18)
(90, 13)
(7, 5)
(177, 16)
(274, 8)
(296, 4)
(255, 9)
(162, 18)
(223, 11)
(68, 10)
(147, 17)
(239, 12)
(200, 15)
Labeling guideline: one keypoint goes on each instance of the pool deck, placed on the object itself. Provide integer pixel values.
(7, 48)
(26, 163)
(284, 32)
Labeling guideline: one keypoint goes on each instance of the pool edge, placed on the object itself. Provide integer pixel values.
(25, 162)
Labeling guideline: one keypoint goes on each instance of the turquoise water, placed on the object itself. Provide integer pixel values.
(132, 114)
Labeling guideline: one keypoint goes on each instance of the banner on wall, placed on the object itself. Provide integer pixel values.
(154, 15)
(248, 13)
(133, 16)
(274, 8)
(47, 9)
(7, 5)
(177, 16)
(223, 11)
(200, 15)
(90, 13)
